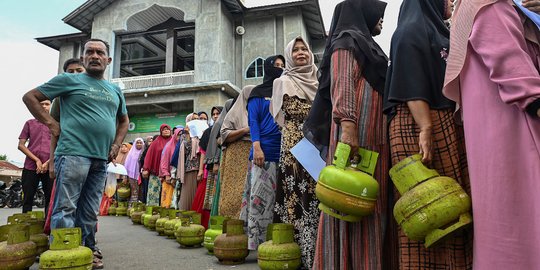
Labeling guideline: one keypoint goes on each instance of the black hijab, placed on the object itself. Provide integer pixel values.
(352, 25)
(418, 56)
(270, 74)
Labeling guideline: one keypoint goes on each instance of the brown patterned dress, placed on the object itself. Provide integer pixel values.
(449, 159)
(296, 202)
(233, 174)
(359, 245)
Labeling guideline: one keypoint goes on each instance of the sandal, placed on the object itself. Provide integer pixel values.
(97, 253)
(97, 263)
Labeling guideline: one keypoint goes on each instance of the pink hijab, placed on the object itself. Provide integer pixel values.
(462, 24)
(132, 160)
(166, 155)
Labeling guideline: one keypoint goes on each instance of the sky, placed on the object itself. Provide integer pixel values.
(25, 63)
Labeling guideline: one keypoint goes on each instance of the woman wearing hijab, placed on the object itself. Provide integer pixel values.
(152, 164)
(165, 170)
(143, 181)
(213, 153)
(213, 158)
(202, 177)
(133, 168)
(348, 109)
(122, 154)
(203, 116)
(294, 92)
(121, 159)
(188, 166)
(236, 146)
(421, 120)
(259, 191)
(492, 73)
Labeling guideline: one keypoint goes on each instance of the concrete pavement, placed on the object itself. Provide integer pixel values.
(128, 246)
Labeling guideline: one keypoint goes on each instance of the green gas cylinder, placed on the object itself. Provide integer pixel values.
(39, 215)
(189, 234)
(216, 228)
(166, 215)
(281, 252)
(37, 236)
(121, 210)
(124, 192)
(169, 228)
(112, 209)
(151, 224)
(137, 214)
(231, 247)
(146, 216)
(345, 191)
(19, 218)
(18, 252)
(431, 206)
(66, 251)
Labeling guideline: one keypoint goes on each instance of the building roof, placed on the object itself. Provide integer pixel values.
(6, 165)
(56, 41)
(82, 17)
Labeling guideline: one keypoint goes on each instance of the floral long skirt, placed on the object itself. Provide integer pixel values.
(154, 190)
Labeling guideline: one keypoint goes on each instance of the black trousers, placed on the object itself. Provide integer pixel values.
(30, 182)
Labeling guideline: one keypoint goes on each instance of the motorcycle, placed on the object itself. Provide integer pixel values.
(12, 195)
(3, 194)
(39, 198)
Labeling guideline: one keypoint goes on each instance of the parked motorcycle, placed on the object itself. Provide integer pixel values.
(3, 194)
(12, 195)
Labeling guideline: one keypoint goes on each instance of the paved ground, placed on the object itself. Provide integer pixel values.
(128, 246)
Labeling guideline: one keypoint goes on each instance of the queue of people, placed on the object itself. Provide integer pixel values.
(467, 98)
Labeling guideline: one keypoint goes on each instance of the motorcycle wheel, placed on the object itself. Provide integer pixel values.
(3, 200)
(14, 202)
(39, 200)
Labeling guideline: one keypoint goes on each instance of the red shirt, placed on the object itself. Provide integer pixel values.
(39, 144)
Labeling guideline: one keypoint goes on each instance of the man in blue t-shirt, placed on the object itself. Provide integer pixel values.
(93, 123)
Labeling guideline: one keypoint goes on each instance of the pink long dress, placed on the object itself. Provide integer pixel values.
(499, 80)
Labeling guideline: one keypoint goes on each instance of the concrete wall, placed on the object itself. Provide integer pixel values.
(203, 100)
(268, 35)
(214, 43)
(67, 51)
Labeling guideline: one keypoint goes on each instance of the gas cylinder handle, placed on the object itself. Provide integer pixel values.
(341, 156)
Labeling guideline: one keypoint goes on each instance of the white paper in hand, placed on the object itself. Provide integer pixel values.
(308, 155)
(197, 128)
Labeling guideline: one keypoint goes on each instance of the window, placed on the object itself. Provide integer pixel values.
(255, 69)
(144, 53)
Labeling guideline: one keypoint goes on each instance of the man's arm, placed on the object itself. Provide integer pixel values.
(32, 99)
(121, 131)
(22, 147)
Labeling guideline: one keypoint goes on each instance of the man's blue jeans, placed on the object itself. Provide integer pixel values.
(79, 187)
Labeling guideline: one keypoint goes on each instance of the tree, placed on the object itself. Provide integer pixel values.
(3, 157)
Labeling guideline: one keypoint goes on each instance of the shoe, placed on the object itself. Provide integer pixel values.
(97, 253)
(97, 263)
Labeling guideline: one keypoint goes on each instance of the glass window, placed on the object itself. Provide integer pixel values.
(255, 69)
(144, 53)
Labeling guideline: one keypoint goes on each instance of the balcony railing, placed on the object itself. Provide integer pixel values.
(157, 80)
